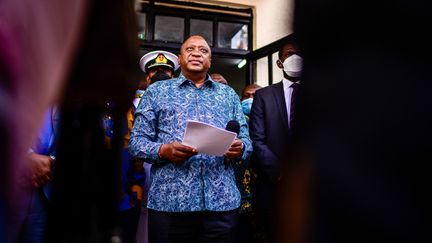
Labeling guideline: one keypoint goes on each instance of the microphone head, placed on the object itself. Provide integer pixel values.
(233, 126)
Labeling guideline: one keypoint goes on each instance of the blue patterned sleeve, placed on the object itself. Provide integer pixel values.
(244, 129)
(143, 141)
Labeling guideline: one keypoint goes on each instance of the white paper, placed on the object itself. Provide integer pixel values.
(207, 139)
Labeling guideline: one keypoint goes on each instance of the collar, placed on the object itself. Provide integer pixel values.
(139, 93)
(287, 83)
(182, 80)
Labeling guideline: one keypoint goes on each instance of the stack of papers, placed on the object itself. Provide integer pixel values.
(208, 139)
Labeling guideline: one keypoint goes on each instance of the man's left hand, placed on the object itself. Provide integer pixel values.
(236, 149)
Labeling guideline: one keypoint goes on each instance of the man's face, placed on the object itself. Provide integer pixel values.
(287, 51)
(195, 55)
(249, 92)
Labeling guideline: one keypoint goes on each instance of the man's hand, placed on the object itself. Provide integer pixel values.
(176, 152)
(236, 149)
(40, 168)
(138, 190)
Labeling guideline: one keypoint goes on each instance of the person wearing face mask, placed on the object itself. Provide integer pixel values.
(159, 65)
(247, 98)
(271, 124)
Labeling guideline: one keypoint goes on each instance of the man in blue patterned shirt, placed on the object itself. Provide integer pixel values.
(192, 197)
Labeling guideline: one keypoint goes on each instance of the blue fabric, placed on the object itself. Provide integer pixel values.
(201, 182)
(44, 143)
(31, 222)
(33, 229)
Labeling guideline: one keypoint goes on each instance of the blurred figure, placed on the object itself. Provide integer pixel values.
(364, 121)
(218, 78)
(30, 223)
(87, 189)
(192, 198)
(37, 44)
(41, 47)
(271, 123)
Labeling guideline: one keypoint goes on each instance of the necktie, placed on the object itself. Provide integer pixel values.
(295, 87)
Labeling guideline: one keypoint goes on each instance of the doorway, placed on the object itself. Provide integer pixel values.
(164, 25)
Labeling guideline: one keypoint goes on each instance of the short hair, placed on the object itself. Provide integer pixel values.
(196, 36)
(292, 40)
(254, 86)
(250, 86)
(217, 77)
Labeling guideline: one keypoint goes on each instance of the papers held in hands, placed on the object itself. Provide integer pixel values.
(207, 139)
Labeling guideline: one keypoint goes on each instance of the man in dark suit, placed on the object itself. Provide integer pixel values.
(271, 123)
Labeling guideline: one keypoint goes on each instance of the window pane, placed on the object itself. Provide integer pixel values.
(227, 67)
(203, 28)
(233, 35)
(141, 17)
(277, 72)
(262, 72)
(169, 29)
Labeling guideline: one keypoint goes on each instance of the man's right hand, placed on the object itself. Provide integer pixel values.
(176, 152)
(40, 166)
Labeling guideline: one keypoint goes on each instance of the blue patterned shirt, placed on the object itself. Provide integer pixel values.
(201, 182)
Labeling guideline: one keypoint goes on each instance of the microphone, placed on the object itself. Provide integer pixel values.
(232, 126)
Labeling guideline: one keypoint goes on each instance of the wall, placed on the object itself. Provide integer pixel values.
(272, 18)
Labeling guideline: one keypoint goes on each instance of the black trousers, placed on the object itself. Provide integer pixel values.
(192, 227)
(266, 225)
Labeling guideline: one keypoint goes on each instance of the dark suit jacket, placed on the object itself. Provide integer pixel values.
(270, 135)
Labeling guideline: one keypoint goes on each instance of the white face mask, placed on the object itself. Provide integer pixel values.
(293, 66)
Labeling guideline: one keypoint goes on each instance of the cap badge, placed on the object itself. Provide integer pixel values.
(161, 59)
